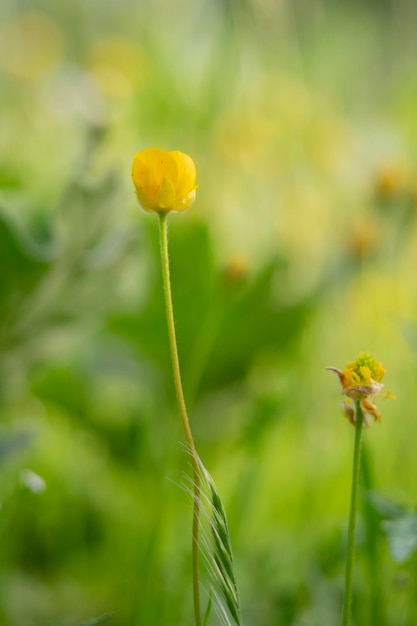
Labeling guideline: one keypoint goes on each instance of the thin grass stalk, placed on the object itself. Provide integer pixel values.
(166, 279)
(347, 599)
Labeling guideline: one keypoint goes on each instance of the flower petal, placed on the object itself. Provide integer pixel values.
(349, 412)
(369, 408)
(166, 194)
(358, 391)
(186, 173)
(149, 169)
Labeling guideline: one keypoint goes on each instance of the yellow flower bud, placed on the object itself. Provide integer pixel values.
(164, 181)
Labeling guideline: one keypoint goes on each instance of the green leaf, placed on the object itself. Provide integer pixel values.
(402, 536)
(22, 264)
(386, 508)
(14, 443)
(253, 320)
(64, 386)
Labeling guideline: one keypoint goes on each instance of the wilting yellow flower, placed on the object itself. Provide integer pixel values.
(164, 181)
(361, 380)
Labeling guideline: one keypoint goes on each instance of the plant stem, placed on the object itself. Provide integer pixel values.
(163, 232)
(347, 600)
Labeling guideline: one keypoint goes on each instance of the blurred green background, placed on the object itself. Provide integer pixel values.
(299, 252)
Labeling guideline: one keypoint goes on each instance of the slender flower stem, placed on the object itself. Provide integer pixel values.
(347, 600)
(163, 232)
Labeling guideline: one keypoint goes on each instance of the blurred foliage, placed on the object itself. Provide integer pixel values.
(299, 253)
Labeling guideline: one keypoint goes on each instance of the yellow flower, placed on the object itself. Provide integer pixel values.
(164, 181)
(361, 380)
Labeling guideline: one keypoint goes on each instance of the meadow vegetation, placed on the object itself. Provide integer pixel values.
(299, 253)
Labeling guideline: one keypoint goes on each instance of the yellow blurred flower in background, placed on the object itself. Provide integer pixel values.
(30, 46)
(116, 65)
(164, 181)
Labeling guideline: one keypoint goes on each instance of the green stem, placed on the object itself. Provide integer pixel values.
(347, 600)
(163, 231)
